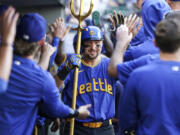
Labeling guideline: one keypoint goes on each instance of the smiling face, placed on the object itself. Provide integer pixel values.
(92, 49)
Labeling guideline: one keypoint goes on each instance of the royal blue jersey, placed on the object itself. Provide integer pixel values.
(153, 12)
(145, 48)
(3, 85)
(124, 69)
(95, 87)
(150, 102)
(55, 43)
(139, 38)
(29, 87)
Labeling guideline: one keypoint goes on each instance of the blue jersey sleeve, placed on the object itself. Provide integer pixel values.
(52, 105)
(128, 56)
(129, 112)
(3, 85)
(55, 43)
(126, 68)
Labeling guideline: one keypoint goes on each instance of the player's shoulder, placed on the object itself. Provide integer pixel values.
(104, 58)
(146, 69)
(46, 75)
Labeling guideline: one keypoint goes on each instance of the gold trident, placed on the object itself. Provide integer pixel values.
(80, 18)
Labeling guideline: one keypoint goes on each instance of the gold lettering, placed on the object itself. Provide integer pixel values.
(89, 87)
(82, 89)
(95, 83)
(110, 89)
(106, 85)
(100, 84)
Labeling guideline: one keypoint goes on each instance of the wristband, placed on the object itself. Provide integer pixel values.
(63, 73)
(73, 113)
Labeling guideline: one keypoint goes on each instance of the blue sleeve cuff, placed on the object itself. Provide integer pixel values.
(3, 86)
(55, 41)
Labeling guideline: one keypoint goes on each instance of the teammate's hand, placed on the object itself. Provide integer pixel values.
(123, 36)
(58, 29)
(117, 19)
(8, 21)
(73, 61)
(83, 111)
(132, 23)
(56, 124)
(48, 49)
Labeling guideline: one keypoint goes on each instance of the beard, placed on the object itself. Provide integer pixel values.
(90, 57)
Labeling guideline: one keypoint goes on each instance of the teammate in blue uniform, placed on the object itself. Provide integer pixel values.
(150, 102)
(29, 86)
(152, 13)
(8, 20)
(121, 70)
(95, 87)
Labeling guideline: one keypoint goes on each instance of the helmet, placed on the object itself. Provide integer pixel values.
(92, 33)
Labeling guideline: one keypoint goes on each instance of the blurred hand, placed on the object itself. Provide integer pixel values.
(131, 22)
(8, 21)
(48, 49)
(74, 60)
(116, 20)
(123, 36)
(58, 29)
(56, 125)
(83, 111)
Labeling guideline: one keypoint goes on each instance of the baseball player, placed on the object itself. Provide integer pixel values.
(31, 87)
(95, 87)
(8, 20)
(150, 102)
(152, 13)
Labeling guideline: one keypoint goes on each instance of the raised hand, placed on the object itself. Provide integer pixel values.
(48, 49)
(8, 21)
(116, 20)
(131, 22)
(58, 29)
(123, 34)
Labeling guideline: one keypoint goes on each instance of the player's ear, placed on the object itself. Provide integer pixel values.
(155, 43)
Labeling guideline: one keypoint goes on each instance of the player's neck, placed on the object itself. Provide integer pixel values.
(170, 57)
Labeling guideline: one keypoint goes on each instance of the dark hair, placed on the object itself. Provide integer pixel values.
(173, 15)
(24, 48)
(167, 35)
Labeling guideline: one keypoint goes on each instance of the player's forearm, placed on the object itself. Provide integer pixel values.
(117, 58)
(108, 45)
(5, 61)
(44, 61)
(59, 82)
(61, 56)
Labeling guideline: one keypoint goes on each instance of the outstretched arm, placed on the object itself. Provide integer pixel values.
(123, 38)
(124, 35)
(8, 22)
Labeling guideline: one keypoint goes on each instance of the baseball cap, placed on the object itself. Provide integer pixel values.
(32, 27)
